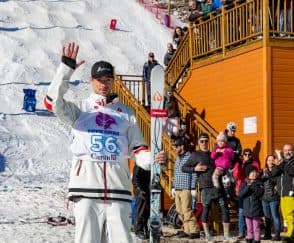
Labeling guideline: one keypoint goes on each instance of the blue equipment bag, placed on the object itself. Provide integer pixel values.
(29, 101)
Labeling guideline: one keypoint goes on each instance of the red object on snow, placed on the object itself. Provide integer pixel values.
(112, 24)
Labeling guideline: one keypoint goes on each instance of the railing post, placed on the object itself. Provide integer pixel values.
(265, 22)
(143, 92)
(267, 79)
(191, 42)
(223, 32)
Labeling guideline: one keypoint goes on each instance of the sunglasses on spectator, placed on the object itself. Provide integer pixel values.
(203, 141)
(246, 154)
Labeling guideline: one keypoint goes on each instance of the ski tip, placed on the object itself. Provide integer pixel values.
(157, 67)
(157, 73)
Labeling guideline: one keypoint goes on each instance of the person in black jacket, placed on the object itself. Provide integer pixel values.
(270, 200)
(233, 142)
(147, 68)
(285, 169)
(169, 54)
(141, 182)
(171, 124)
(251, 191)
(201, 163)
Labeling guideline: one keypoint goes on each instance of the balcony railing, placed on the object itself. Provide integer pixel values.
(231, 27)
(125, 85)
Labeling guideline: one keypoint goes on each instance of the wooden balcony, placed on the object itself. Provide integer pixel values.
(233, 27)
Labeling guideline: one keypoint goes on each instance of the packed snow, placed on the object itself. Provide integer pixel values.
(34, 146)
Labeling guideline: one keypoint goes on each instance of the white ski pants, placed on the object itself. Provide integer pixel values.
(99, 222)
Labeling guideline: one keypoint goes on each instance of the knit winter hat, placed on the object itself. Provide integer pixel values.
(221, 137)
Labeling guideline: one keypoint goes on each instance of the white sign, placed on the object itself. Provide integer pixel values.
(250, 125)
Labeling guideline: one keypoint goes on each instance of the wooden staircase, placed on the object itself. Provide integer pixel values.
(131, 92)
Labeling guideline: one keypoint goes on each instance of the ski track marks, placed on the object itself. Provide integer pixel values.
(26, 208)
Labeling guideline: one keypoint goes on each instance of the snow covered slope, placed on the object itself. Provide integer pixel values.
(34, 147)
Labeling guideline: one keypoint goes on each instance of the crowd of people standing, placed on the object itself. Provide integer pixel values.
(261, 194)
(264, 196)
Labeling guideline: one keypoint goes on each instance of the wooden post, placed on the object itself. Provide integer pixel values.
(267, 82)
(223, 32)
(265, 22)
(191, 42)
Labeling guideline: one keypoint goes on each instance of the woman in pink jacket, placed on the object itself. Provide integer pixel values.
(222, 156)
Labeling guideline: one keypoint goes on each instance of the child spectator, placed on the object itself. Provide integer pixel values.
(271, 200)
(222, 155)
(178, 35)
(251, 192)
(240, 176)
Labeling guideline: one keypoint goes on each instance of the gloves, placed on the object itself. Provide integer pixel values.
(173, 192)
(143, 158)
(193, 193)
(70, 62)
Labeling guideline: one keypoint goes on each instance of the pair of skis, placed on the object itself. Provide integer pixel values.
(157, 114)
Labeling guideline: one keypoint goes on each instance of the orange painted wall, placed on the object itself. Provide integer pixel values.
(282, 96)
(231, 90)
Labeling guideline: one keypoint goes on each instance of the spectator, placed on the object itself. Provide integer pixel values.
(195, 11)
(141, 182)
(183, 190)
(183, 128)
(270, 200)
(151, 62)
(251, 192)
(240, 175)
(169, 54)
(178, 36)
(285, 169)
(217, 4)
(200, 162)
(222, 155)
(205, 6)
(239, 171)
(170, 104)
(285, 11)
(233, 142)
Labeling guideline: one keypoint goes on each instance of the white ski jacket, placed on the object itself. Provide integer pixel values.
(105, 136)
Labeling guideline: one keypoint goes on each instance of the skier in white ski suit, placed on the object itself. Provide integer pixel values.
(106, 134)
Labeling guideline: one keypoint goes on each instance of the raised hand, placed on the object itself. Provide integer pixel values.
(71, 51)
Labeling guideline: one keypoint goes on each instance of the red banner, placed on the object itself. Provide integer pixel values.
(158, 113)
